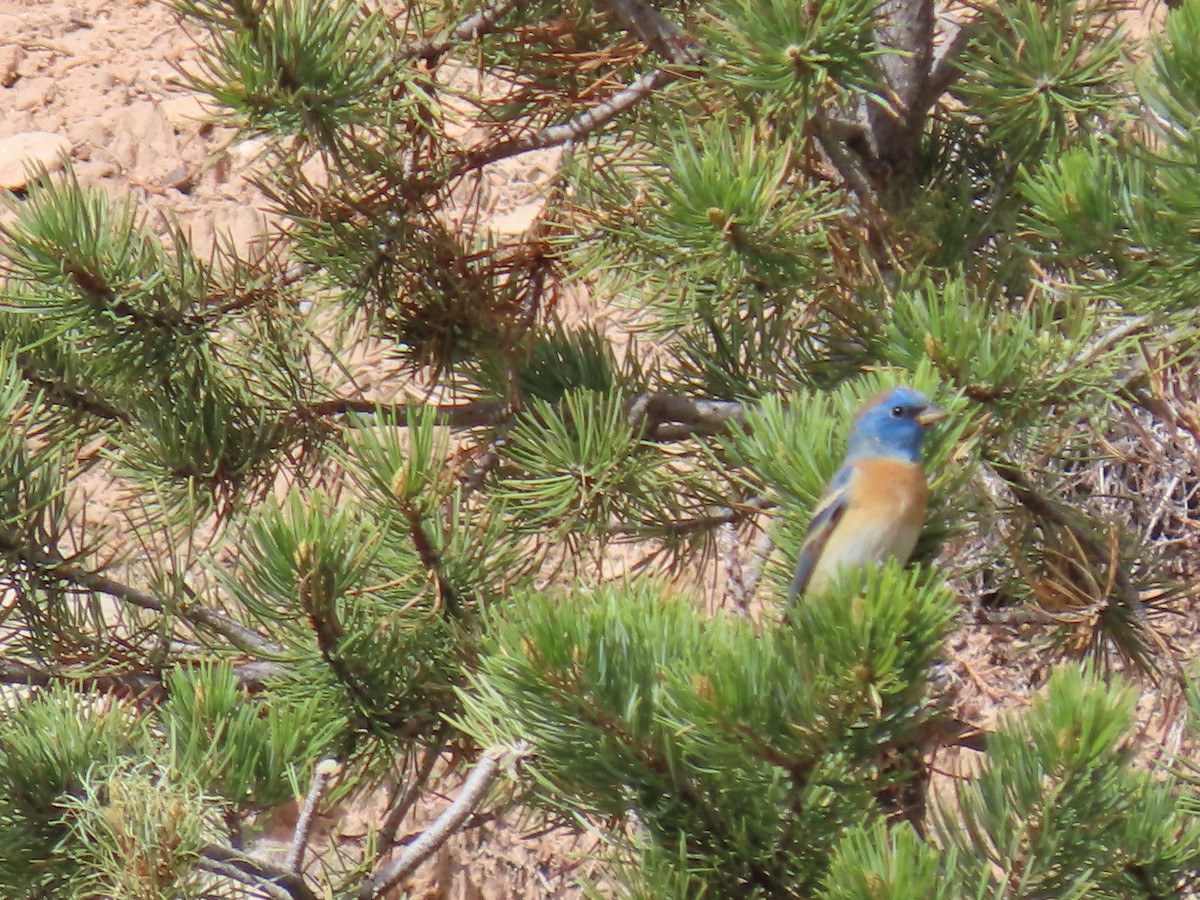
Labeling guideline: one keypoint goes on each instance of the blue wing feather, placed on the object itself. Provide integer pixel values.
(825, 519)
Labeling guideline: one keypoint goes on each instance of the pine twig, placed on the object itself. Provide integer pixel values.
(325, 769)
(267, 877)
(735, 581)
(408, 796)
(476, 26)
(474, 788)
(428, 553)
(658, 32)
(55, 567)
(574, 129)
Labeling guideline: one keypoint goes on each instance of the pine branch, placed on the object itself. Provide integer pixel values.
(325, 770)
(52, 567)
(658, 32)
(476, 26)
(473, 790)
(1018, 482)
(432, 560)
(273, 880)
(579, 127)
(904, 31)
(72, 398)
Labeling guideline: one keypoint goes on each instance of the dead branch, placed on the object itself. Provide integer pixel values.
(54, 567)
(469, 29)
(474, 788)
(267, 877)
(325, 770)
(555, 135)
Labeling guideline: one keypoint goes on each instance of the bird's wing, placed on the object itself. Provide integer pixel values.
(825, 519)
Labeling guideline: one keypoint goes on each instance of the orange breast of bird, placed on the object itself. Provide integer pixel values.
(885, 513)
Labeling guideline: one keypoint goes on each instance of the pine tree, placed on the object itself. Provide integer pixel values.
(315, 587)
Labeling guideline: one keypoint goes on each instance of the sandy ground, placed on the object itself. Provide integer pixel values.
(101, 75)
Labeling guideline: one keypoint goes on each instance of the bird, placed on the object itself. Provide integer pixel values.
(874, 506)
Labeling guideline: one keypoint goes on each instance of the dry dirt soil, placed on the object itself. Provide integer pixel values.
(101, 75)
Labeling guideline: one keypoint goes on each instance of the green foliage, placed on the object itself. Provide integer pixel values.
(141, 833)
(310, 68)
(749, 754)
(575, 465)
(555, 363)
(1059, 800)
(881, 863)
(248, 751)
(48, 746)
(791, 56)
(1040, 73)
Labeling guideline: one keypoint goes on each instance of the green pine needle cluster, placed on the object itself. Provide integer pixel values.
(375, 491)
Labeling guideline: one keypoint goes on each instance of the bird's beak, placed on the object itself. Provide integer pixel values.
(931, 415)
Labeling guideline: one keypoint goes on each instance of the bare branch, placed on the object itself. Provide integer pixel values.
(730, 515)
(764, 546)
(135, 683)
(473, 790)
(146, 683)
(408, 796)
(945, 70)
(698, 416)
(580, 126)
(326, 769)
(468, 30)
(228, 870)
(735, 582)
(269, 878)
(904, 34)
(848, 167)
(654, 410)
(659, 33)
(454, 415)
(54, 567)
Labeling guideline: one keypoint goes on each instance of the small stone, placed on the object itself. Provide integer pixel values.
(22, 153)
(246, 153)
(183, 179)
(187, 111)
(11, 57)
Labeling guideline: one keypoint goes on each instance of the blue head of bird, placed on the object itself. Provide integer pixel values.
(892, 425)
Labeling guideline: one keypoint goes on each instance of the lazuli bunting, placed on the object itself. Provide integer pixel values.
(874, 508)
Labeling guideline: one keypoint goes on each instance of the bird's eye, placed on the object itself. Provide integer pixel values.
(898, 411)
